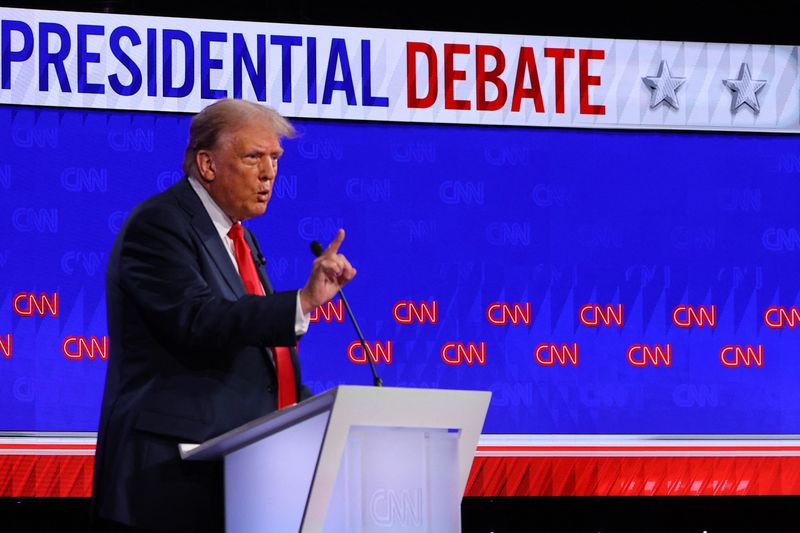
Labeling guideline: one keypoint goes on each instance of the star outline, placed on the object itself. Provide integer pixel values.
(663, 87)
(744, 90)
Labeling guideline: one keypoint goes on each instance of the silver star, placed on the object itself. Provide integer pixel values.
(663, 86)
(744, 90)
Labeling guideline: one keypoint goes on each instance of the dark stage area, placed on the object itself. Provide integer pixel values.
(501, 515)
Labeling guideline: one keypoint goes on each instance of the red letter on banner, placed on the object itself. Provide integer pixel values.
(412, 49)
(527, 65)
(492, 76)
(451, 75)
(559, 54)
(586, 81)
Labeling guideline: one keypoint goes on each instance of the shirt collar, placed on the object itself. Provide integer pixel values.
(222, 222)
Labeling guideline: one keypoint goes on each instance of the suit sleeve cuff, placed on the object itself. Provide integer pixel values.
(301, 321)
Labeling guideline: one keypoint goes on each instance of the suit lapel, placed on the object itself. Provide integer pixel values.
(205, 229)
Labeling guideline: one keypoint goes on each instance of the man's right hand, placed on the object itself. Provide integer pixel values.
(329, 272)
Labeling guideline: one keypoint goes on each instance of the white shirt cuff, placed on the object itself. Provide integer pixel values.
(301, 321)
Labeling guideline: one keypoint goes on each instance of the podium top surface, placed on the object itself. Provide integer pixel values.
(402, 407)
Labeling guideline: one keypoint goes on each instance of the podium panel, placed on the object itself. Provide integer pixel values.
(360, 459)
(396, 479)
(266, 482)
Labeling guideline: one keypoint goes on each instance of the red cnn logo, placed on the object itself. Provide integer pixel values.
(5, 346)
(500, 314)
(457, 353)
(76, 347)
(734, 356)
(548, 354)
(27, 303)
(777, 317)
(594, 315)
(642, 355)
(408, 312)
(686, 316)
(379, 351)
(329, 312)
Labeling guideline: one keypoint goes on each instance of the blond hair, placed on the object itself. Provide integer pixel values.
(227, 115)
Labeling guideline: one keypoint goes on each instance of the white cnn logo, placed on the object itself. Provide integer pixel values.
(389, 507)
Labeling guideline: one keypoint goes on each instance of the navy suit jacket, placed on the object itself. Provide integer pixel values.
(187, 362)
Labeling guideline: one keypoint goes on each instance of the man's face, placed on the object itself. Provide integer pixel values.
(239, 172)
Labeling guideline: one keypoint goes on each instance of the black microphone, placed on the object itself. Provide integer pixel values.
(316, 249)
(260, 261)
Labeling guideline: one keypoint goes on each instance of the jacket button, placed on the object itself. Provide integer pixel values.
(269, 389)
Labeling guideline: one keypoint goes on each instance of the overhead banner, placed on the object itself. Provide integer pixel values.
(102, 61)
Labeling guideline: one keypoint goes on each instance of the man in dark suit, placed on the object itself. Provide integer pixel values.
(199, 340)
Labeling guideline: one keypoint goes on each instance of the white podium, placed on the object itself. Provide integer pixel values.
(356, 459)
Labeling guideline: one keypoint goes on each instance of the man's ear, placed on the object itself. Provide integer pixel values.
(205, 165)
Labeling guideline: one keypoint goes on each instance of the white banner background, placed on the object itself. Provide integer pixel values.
(694, 94)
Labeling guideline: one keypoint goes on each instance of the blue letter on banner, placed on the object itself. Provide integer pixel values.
(338, 55)
(188, 64)
(366, 80)
(14, 55)
(130, 64)
(286, 42)
(85, 57)
(56, 58)
(207, 64)
(257, 73)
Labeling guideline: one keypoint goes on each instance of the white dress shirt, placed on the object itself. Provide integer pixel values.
(223, 225)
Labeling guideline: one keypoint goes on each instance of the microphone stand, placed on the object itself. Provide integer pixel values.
(316, 249)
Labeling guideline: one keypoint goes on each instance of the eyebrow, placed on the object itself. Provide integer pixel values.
(249, 148)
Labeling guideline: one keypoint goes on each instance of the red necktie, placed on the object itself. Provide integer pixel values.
(281, 354)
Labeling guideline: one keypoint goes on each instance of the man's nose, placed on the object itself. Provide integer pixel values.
(268, 169)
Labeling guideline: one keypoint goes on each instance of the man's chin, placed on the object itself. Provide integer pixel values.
(255, 212)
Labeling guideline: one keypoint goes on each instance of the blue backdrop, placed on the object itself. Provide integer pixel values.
(465, 217)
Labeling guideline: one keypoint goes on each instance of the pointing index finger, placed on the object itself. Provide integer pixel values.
(333, 247)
